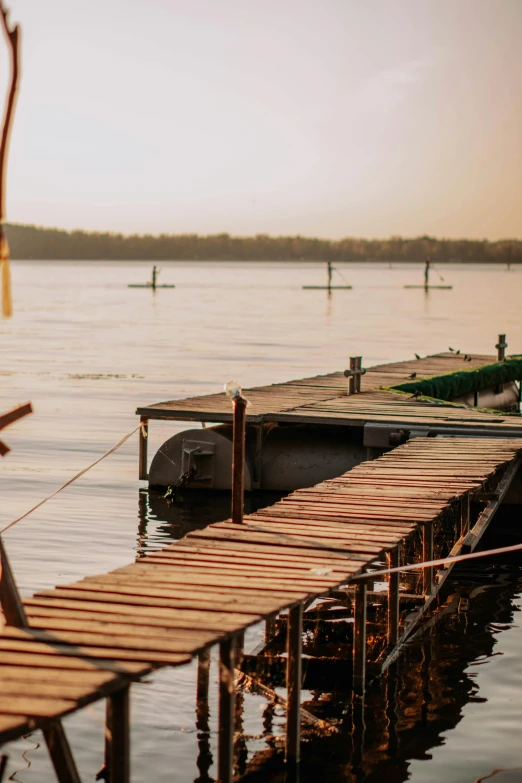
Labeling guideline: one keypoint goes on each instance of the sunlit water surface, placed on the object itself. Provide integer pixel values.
(86, 350)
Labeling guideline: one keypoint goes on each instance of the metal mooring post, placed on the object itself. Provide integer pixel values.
(240, 403)
(354, 374)
(501, 347)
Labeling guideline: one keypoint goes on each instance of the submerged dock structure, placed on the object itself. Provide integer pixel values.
(427, 499)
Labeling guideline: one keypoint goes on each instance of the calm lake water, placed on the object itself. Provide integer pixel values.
(86, 350)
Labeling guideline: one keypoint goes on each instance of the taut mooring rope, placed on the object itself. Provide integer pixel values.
(442, 561)
(67, 483)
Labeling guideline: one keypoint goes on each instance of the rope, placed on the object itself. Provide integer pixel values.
(441, 561)
(74, 478)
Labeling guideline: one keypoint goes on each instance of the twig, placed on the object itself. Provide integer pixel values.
(12, 35)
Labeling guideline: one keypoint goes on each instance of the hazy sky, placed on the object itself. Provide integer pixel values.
(319, 117)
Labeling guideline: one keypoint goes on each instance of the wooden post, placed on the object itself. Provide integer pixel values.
(393, 559)
(12, 35)
(117, 740)
(238, 458)
(144, 436)
(293, 684)
(60, 753)
(10, 600)
(427, 554)
(226, 711)
(240, 744)
(270, 629)
(204, 759)
(464, 514)
(359, 638)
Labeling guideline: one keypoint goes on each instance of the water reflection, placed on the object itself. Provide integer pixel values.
(162, 520)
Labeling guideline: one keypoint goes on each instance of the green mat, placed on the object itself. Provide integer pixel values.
(457, 384)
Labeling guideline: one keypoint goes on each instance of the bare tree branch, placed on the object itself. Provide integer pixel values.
(12, 35)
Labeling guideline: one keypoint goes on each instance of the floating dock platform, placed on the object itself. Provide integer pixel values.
(308, 430)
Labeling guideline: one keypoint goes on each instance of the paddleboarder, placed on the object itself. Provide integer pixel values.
(329, 272)
(427, 265)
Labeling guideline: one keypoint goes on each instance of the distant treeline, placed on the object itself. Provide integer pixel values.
(33, 242)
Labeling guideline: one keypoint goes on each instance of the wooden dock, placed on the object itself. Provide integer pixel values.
(88, 640)
(324, 399)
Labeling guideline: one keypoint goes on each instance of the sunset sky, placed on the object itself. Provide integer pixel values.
(320, 117)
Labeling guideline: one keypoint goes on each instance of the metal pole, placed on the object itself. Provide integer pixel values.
(144, 436)
(427, 554)
(226, 711)
(393, 558)
(351, 382)
(117, 740)
(293, 685)
(359, 638)
(358, 365)
(238, 458)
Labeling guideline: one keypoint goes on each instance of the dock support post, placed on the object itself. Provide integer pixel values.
(226, 711)
(144, 436)
(427, 554)
(293, 685)
(204, 759)
(464, 514)
(60, 753)
(238, 457)
(117, 740)
(359, 638)
(393, 559)
(270, 629)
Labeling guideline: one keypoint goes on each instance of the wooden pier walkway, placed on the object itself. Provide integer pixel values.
(91, 639)
(323, 399)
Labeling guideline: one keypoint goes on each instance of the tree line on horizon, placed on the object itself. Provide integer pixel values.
(34, 242)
